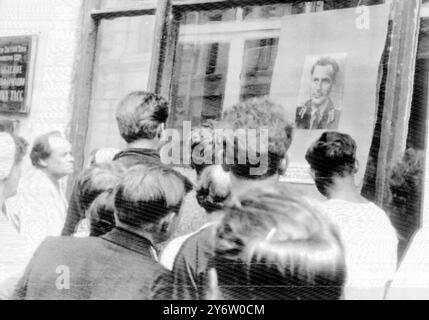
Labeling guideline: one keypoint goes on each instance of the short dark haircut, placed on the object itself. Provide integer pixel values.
(257, 114)
(271, 244)
(213, 188)
(41, 148)
(147, 193)
(333, 154)
(327, 61)
(96, 180)
(139, 114)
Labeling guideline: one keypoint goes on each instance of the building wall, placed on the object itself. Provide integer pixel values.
(57, 26)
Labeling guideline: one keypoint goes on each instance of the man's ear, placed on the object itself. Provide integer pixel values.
(356, 168)
(42, 163)
(312, 173)
(283, 165)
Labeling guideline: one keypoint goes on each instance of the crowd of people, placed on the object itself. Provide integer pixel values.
(262, 239)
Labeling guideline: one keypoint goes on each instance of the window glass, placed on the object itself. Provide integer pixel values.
(259, 58)
(208, 16)
(266, 11)
(244, 40)
(198, 91)
(124, 48)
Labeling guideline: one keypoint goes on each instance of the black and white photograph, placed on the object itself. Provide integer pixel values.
(321, 81)
(210, 156)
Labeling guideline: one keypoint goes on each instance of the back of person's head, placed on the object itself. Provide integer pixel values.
(140, 114)
(41, 149)
(96, 185)
(268, 133)
(96, 180)
(150, 196)
(213, 188)
(274, 245)
(332, 155)
(13, 148)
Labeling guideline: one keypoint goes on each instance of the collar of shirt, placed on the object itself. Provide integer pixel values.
(147, 153)
(131, 241)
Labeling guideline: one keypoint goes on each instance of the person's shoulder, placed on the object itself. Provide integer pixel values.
(199, 242)
(64, 244)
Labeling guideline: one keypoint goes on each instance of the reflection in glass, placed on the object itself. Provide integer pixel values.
(124, 48)
(198, 82)
(208, 16)
(259, 58)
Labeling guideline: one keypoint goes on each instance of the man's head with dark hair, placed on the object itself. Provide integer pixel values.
(52, 154)
(96, 185)
(267, 137)
(327, 61)
(271, 244)
(332, 155)
(140, 116)
(149, 198)
(323, 76)
(96, 180)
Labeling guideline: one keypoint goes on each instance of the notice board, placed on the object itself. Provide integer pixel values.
(17, 59)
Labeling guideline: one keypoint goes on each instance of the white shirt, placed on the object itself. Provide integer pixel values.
(412, 279)
(14, 256)
(170, 251)
(370, 244)
(39, 209)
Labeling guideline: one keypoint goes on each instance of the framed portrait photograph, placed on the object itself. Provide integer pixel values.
(320, 98)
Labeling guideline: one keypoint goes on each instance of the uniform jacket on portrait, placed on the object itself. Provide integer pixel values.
(329, 119)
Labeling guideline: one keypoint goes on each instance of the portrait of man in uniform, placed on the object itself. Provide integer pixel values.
(319, 111)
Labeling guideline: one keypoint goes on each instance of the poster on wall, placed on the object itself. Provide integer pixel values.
(326, 79)
(17, 55)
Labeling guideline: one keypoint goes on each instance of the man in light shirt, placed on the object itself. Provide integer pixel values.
(369, 239)
(40, 207)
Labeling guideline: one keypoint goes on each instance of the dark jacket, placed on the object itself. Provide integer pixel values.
(190, 269)
(129, 158)
(118, 265)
